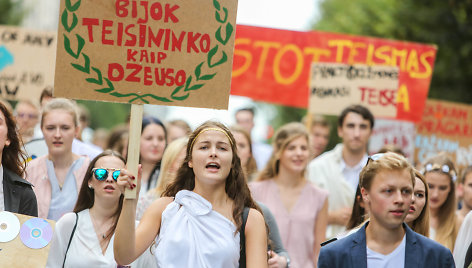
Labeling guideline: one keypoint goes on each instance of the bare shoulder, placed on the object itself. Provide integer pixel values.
(153, 213)
(255, 220)
(160, 204)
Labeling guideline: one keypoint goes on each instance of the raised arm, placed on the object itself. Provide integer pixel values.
(129, 243)
(256, 240)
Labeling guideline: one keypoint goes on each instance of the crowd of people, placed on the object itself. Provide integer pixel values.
(212, 197)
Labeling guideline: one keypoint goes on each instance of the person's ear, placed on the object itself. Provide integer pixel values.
(7, 143)
(365, 195)
(190, 164)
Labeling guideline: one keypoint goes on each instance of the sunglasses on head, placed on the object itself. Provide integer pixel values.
(374, 157)
(101, 174)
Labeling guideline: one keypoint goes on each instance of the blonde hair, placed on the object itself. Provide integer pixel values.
(170, 155)
(284, 135)
(447, 230)
(388, 161)
(421, 224)
(61, 104)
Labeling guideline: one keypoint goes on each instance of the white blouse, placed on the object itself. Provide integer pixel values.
(192, 234)
(85, 250)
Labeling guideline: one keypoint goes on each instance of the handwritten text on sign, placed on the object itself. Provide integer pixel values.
(158, 52)
(26, 62)
(335, 85)
(446, 126)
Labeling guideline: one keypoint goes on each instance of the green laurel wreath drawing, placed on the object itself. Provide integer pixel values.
(180, 93)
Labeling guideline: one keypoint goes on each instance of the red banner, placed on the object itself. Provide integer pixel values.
(273, 65)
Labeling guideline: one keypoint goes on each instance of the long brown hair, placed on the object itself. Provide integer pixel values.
(86, 197)
(421, 224)
(358, 214)
(447, 230)
(284, 135)
(235, 186)
(13, 158)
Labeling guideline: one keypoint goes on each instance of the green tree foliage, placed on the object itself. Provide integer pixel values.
(106, 114)
(11, 12)
(448, 24)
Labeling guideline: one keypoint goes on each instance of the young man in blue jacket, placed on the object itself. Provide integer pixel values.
(385, 240)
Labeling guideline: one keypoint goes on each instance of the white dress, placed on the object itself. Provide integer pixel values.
(194, 235)
(85, 250)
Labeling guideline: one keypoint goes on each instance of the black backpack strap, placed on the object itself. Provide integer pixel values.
(70, 239)
(242, 239)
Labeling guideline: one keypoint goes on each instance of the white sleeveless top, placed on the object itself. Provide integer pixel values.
(194, 235)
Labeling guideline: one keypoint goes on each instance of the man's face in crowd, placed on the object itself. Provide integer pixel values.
(355, 132)
(467, 192)
(245, 119)
(319, 139)
(27, 116)
(389, 197)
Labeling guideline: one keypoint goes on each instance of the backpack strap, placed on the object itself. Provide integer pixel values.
(70, 239)
(242, 239)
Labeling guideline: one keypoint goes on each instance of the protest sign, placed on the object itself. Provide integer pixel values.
(335, 86)
(26, 62)
(445, 127)
(26, 248)
(273, 65)
(400, 134)
(157, 52)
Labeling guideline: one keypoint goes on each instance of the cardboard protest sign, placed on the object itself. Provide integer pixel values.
(157, 52)
(334, 86)
(400, 134)
(274, 65)
(12, 253)
(26, 62)
(445, 127)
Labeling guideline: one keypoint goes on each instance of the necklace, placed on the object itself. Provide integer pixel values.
(100, 233)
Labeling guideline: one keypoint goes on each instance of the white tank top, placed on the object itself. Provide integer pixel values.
(194, 235)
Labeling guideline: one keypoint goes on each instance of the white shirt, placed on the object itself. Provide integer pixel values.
(193, 235)
(85, 249)
(395, 259)
(351, 174)
(464, 238)
(2, 197)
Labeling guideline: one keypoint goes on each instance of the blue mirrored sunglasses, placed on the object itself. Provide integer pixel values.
(101, 174)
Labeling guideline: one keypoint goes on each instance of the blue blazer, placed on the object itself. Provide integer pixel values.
(351, 251)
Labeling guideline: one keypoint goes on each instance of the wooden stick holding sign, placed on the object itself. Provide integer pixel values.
(135, 125)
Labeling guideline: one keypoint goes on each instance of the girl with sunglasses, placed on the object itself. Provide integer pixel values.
(58, 175)
(198, 220)
(440, 174)
(85, 238)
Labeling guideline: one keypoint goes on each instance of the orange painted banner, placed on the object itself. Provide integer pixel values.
(273, 65)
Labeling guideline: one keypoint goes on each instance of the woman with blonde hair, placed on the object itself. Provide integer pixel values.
(199, 221)
(440, 174)
(418, 216)
(299, 207)
(172, 159)
(58, 175)
(244, 145)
